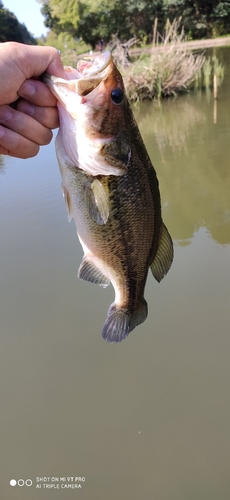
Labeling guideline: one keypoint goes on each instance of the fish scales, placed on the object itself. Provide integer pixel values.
(127, 222)
(117, 214)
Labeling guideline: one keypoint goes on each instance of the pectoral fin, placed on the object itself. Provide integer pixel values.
(98, 202)
(164, 256)
(67, 202)
(89, 272)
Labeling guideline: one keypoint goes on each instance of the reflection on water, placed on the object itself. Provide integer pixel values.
(148, 418)
(192, 157)
(164, 121)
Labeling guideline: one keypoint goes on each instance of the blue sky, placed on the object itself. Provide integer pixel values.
(27, 12)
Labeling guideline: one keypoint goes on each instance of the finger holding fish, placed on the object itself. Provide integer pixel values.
(46, 116)
(37, 101)
(27, 123)
(20, 131)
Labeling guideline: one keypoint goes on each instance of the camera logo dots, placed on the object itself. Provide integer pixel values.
(21, 482)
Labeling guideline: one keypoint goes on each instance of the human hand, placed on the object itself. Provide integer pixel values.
(27, 125)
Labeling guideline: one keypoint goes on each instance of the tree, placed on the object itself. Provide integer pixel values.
(61, 15)
(93, 20)
(200, 18)
(12, 30)
(221, 18)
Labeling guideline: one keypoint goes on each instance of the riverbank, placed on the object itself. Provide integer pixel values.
(166, 68)
(169, 67)
(190, 45)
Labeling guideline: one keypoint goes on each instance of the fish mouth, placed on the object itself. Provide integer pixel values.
(84, 79)
(91, 67)
(92, 73)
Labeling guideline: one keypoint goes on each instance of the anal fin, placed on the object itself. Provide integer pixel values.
(89, 272)
(164, 256)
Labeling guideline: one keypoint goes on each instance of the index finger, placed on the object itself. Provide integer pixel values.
(41, 59)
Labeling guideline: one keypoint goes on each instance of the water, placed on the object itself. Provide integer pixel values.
(150, 417)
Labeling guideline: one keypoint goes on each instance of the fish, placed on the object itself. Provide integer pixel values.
(110, 188)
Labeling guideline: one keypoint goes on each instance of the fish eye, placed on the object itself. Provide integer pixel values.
(117, 96)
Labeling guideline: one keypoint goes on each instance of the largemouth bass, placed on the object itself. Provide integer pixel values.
(111, 190)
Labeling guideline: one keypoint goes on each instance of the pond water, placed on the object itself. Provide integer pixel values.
(150, 417)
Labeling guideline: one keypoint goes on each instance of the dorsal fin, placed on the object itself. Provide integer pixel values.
(164, 256)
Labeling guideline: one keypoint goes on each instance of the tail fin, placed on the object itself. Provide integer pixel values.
(120, 322)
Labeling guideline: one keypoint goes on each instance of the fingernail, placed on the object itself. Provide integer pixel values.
(27, 89)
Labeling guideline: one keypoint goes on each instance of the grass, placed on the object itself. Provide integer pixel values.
(168, 68)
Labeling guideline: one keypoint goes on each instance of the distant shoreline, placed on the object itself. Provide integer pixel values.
(192, 44)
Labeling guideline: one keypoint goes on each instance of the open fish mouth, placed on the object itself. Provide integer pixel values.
(84, 79)
(92, 67)
(92, 73)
